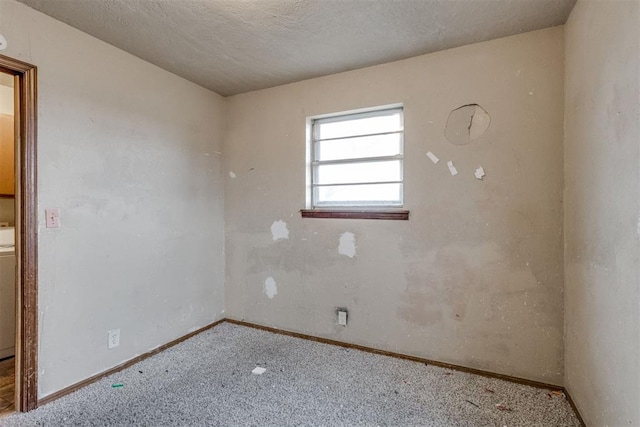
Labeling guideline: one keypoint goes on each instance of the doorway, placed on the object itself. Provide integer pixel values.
(22, 77)
(7, 244)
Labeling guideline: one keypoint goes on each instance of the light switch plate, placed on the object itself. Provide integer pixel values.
(342, 318)
(52, 217)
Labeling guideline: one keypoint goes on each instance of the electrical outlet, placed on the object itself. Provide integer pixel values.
(113, 338)
(52, 217)
(342, 317)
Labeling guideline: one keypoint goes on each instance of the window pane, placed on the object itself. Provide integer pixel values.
(352, 125)
(355, 148)
(344, 172)
(359, 195)
(358, 172)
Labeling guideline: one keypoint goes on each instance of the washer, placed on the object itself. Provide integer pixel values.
(7, 292)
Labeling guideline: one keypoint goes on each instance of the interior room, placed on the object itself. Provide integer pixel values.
(209, 228)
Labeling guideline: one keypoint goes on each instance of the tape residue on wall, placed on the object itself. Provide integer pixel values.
(452, 169)
(433, 157)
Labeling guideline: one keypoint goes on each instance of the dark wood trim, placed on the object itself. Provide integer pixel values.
(74, 387)
(27, 231)
(401, 356)
(574, 407)
(355, 214)
(131, 362)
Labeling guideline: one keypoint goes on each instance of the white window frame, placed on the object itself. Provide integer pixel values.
(311, 186)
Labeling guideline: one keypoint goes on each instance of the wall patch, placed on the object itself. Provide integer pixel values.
(347, 244)
(270, 288)
(279, 230)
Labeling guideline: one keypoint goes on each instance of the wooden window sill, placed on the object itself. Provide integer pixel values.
(402, 215)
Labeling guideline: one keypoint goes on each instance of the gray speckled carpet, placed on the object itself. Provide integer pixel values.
(207, 380)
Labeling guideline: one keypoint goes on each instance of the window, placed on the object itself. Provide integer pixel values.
(356, 160)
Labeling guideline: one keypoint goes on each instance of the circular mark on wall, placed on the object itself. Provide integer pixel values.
(466, 124)
(3, 42)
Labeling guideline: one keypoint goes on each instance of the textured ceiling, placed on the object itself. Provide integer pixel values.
(235, 46)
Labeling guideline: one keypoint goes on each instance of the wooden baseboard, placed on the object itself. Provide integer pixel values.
(400, 356)
(488, 374)
(574, 407)
(58, 394)
(481, 372)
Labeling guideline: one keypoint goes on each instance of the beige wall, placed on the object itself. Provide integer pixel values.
(602, 211)
(475, 276)
(128, 152)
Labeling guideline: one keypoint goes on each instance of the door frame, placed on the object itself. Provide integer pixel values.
(26, 220)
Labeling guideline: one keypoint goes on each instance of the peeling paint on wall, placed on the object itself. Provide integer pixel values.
(347, 244)
(279, 230)
(466, 124)
(270, 288)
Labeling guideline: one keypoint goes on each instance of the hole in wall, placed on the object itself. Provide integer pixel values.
(466, 124)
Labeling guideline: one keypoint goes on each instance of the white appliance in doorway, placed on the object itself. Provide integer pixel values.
(7, 292)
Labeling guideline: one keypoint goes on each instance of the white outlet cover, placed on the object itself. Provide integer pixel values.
(113, 338)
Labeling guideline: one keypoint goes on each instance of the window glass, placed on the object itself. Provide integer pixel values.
(357, 159)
